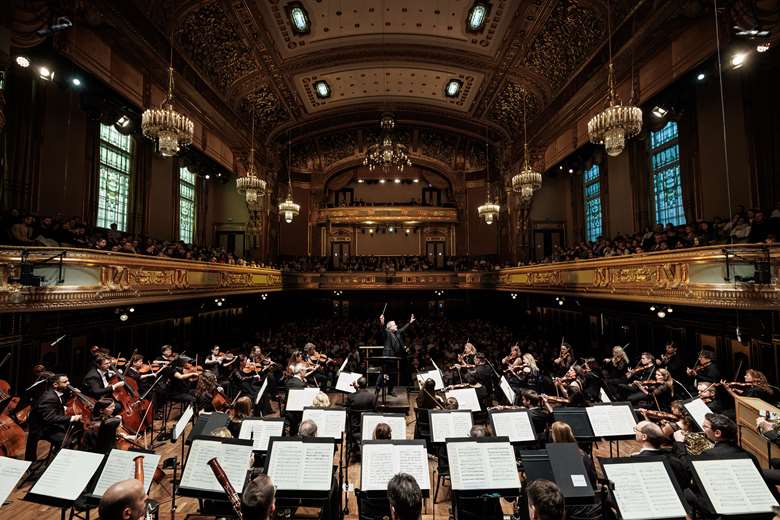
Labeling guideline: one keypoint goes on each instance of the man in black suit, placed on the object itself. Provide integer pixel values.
(96, 381)
(47, 419)
(293, 418)
(361, 401)
(394, 347)
(652, 438)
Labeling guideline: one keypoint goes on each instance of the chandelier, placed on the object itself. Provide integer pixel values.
(490, 210)
(528, 181)
(289, 208)
(165, 125)
(387, 154)
(616, 123)
(252, 186)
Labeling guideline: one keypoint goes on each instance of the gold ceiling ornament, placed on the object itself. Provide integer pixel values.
(489, 211)
(616, 123)
(387, 154)
(289, 209)
(165, 125)
(528, 181)
(251, 185)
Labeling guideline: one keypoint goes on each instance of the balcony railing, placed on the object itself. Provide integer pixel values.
(740, 277)
(386, 214)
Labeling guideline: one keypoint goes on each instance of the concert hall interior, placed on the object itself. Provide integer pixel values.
(385, 259)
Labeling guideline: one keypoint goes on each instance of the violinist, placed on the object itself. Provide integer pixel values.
(540, 417)
(565, 359)
(102, 417)
(427, 398)
(205, 389)
(509, 360)
(140, 372)
(216, 362)
(755, 385)
(240, 411)
(671, 361)
(48, 420)
(179, 388)
(659, 392)
(614, 369)
(295, 358)
(707, 393)
(643, 371)
(318, 365)
(96, 381)
(525, 374)
(705, 370)
(571, 386)
(468, 359)
(166, 357)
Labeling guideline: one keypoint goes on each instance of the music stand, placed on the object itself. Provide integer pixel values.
(514, 424)
(578, 419)
(12, 470)
(491, 468)
(197, 480)
(376, 486)
(698, 409)
(380, 382)
(287, 466)
(614, 421)
(206, 423)
(117, 466)
(562, 463)
(396, 421)
(458, 424)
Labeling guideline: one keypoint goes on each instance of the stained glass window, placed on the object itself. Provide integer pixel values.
(665, 165)
(187, 194)
(116, 154)
(592, 188)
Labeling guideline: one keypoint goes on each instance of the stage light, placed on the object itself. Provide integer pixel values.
(360, 181)
(123, 316)
(370, 231)
(391, 229)
(762, 47)
(416, 180)
(571, 170)
(123, 121)
(669, 310)
(453, 88)
(219, 304)
(381, 181)
(560, 167)
(652, 308)
(397, 181)
(560, 302)
(661, 314)
(701, 77)
(322, 89)
(45, 73)
(207, 176)
(75, 81)
(659, 112)
(23, 61)
(131, 309)
(738, 59)
(408, 231)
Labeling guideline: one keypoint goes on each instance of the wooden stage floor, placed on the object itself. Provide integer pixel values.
(17, 509)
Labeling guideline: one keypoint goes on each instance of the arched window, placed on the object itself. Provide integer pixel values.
(187, 208)
(665, 166)
(592, 196)
(116, 158)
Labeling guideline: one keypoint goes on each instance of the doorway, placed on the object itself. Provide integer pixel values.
(435, 251)
(339, 253)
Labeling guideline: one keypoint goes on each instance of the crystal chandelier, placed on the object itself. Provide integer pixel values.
(386, 154)
(289, 208)
(165, 125)
(528, 181)
(252, 186)
(616, 123)
(490, 210)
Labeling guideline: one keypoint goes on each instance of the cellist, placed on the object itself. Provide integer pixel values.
(96, 381)
(48, 420)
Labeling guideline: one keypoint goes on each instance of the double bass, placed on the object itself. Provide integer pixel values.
(137, 414)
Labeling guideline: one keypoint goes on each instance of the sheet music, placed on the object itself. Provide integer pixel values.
(344, 364)
(482, 465)
(181, 424)
(611, 421)
(345, 380)
(698, 410)
(300, 398)
(298, 465)
(455, 423)
(11, 470)
(467, 398)
(234, 459)
(380, 462)
(643, 490)
(261, 391)
(514, 424)
(507, 389)
(397, 426)
(431, 374)
(259, 431)
(330, 423)
(604, 397)
(68, 474)
(734, 486)
(120, 466)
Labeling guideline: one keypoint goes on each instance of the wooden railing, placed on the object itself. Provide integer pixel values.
(385, 214)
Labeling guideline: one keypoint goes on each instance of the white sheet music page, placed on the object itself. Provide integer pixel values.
(611, 421)
(330, 423)
(181, 424)
(643, 490)
(397, 426)
(345, 380)
(68, 474)
(261, 391)
(11, 470)
(121, 466)
(514, 424)
(734, 486)
(603, 396)
(431, 374)
(467, 398)
(297, 465)
(488, 465)
(259, 431)
(456, 423)
(500, 460)
(299, 398)
(343, 365)
(698, 410)
(380, 462)
(507, 389)
(413, 459)
(234, 459)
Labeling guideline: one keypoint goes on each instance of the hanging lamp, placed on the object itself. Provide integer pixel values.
(251, 185)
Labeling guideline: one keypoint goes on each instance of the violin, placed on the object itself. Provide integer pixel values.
(189, 368)
(656, 415)
(738, 384)
(649, 382)
(639, 368)
(698, 367)
(555, 400)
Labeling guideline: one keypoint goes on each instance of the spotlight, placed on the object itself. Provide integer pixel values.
(762, 47)
(207, 176)
(560, 302)
(219, 304)
(370, 231)
(738, 59)
(123, 316)
(652, 308)
(661, 314)
(408, 231)
(701, 77)
(360, 181)
(391, 229)
(571, 170)
(659, 112)
(75, 81)
(669, 310)
(123, 121)
(23, 61)
(397, 181)
(416, 180)
(560, 167)
(45, 73)
(381, 181)
(131, 309)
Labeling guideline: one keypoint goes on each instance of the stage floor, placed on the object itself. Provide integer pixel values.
(18, 509)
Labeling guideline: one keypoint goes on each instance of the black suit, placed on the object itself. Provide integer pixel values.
(93, 385)
(394, 347)
(362, 401)
(47, 421)
(295, 382)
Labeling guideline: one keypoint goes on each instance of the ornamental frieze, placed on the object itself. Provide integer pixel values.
(120, 277)
(659, 276)
(235, 279)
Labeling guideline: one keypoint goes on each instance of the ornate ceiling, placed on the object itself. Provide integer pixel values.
(380, 55)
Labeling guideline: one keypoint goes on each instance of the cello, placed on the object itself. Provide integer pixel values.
(135, 417)
(12, 436)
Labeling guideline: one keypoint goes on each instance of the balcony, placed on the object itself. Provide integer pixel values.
(386, 214)
(97, 279)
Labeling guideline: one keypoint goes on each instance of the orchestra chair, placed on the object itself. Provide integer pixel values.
(442, 471)
(371, 508)
(106, 435)
(422, 428)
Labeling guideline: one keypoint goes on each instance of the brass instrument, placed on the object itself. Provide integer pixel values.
(697, 443)
(223, 480)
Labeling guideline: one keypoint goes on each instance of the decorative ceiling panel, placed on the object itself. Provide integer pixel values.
(355, 22)
(507, 109)
(268, 111)
(377, 83)
(213, 45)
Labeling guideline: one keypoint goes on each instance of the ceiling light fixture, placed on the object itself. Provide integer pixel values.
(763, 47)
(387, 154)
(289, 209)
(165, 125)
(528, 181)
(477, 16)
(299, 18)
(489, 211)
(75, 81)
(738, 59)
(453, 88)
(23, 61)
(251, 185)
(322, 89)
(701, 76)
(616, 123)
(416, 180)
(397, 181)
(45, 73)
(659, 112)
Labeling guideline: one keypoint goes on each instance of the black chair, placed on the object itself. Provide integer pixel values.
(422, 427)
(372, 508)
(442, 471)
(106, 435)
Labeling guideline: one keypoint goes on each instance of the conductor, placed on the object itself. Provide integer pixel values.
(394, 347)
